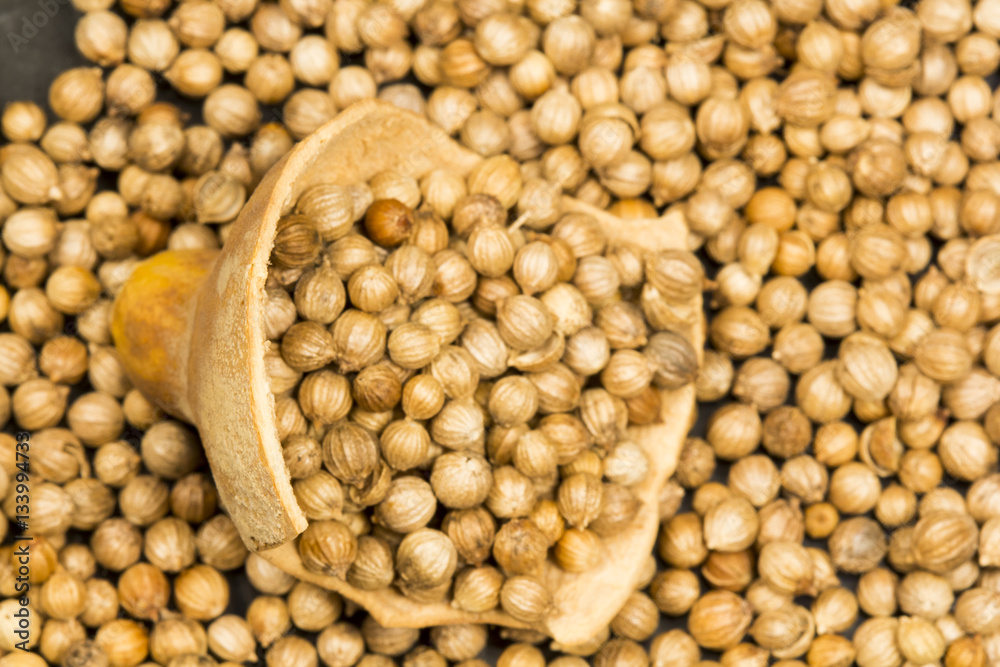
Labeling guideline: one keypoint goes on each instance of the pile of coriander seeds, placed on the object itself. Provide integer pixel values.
(836, 162)
(475, 366)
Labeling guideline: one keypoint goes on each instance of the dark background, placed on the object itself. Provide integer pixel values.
(28, 64)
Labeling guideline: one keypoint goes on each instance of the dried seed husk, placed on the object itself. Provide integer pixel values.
(579, 499)
(857, 545)
(372, 568)
(461, 480)
(525, 598)
(472, 531)
(719, 620)
(731, 525)
(358, 340)
(944, 540)
(520, 547)
(350, 452)
(681, 543)
(426, 559)
(318, 492)
(477, 589)
(512, 494)
(328, 547)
